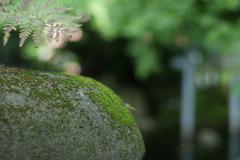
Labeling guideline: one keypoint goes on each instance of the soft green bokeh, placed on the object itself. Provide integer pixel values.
(213, 25)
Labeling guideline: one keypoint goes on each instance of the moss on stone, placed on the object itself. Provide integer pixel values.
(105, 97)
(49, 111)
(100, 94)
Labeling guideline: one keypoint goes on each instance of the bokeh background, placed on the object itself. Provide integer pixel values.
(149, 52)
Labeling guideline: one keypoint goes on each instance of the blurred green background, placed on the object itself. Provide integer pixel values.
(129, 46)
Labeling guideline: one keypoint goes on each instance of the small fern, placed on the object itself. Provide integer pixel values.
(36, 19)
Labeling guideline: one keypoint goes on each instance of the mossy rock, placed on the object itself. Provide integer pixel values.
(53, 116)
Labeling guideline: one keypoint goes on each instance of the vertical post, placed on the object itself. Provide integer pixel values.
(187, 65)
(187, 113)
(234, 119)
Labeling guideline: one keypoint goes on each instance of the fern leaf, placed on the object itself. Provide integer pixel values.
(71, 25)
(6, 37)
(50, 32)
(65, 18)
(67, 33)
(24, 4)
(37, 35)
(3, 17)
(24, 33)
(41, 7)
(56, 10)
(4, 4)
(58, 31)
(6, 31)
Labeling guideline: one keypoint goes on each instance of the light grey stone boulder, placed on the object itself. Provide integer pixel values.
(53, 116)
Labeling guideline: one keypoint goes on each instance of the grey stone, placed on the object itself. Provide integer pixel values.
(53, 116)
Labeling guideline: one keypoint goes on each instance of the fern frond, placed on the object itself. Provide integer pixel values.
(39, 8)
(23, 6)
(71, 25)
(25, 3)
(24, 33)
(3, 17)
(56, 11)
(37, 35)
(50, 32)
(6, 37)
(68, 32)
(65, 18)
(58, 31)
(6, 31)
(4, 4)
(37, 18)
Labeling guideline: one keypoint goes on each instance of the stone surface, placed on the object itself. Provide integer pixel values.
(53, 116)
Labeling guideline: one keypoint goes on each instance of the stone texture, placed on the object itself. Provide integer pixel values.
(53, 116)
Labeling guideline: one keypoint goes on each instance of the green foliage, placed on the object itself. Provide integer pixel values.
(213, 25)
(145, 58)
(37, 19)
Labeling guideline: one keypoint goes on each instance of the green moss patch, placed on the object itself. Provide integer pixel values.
(104, 97)
(99, 94)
